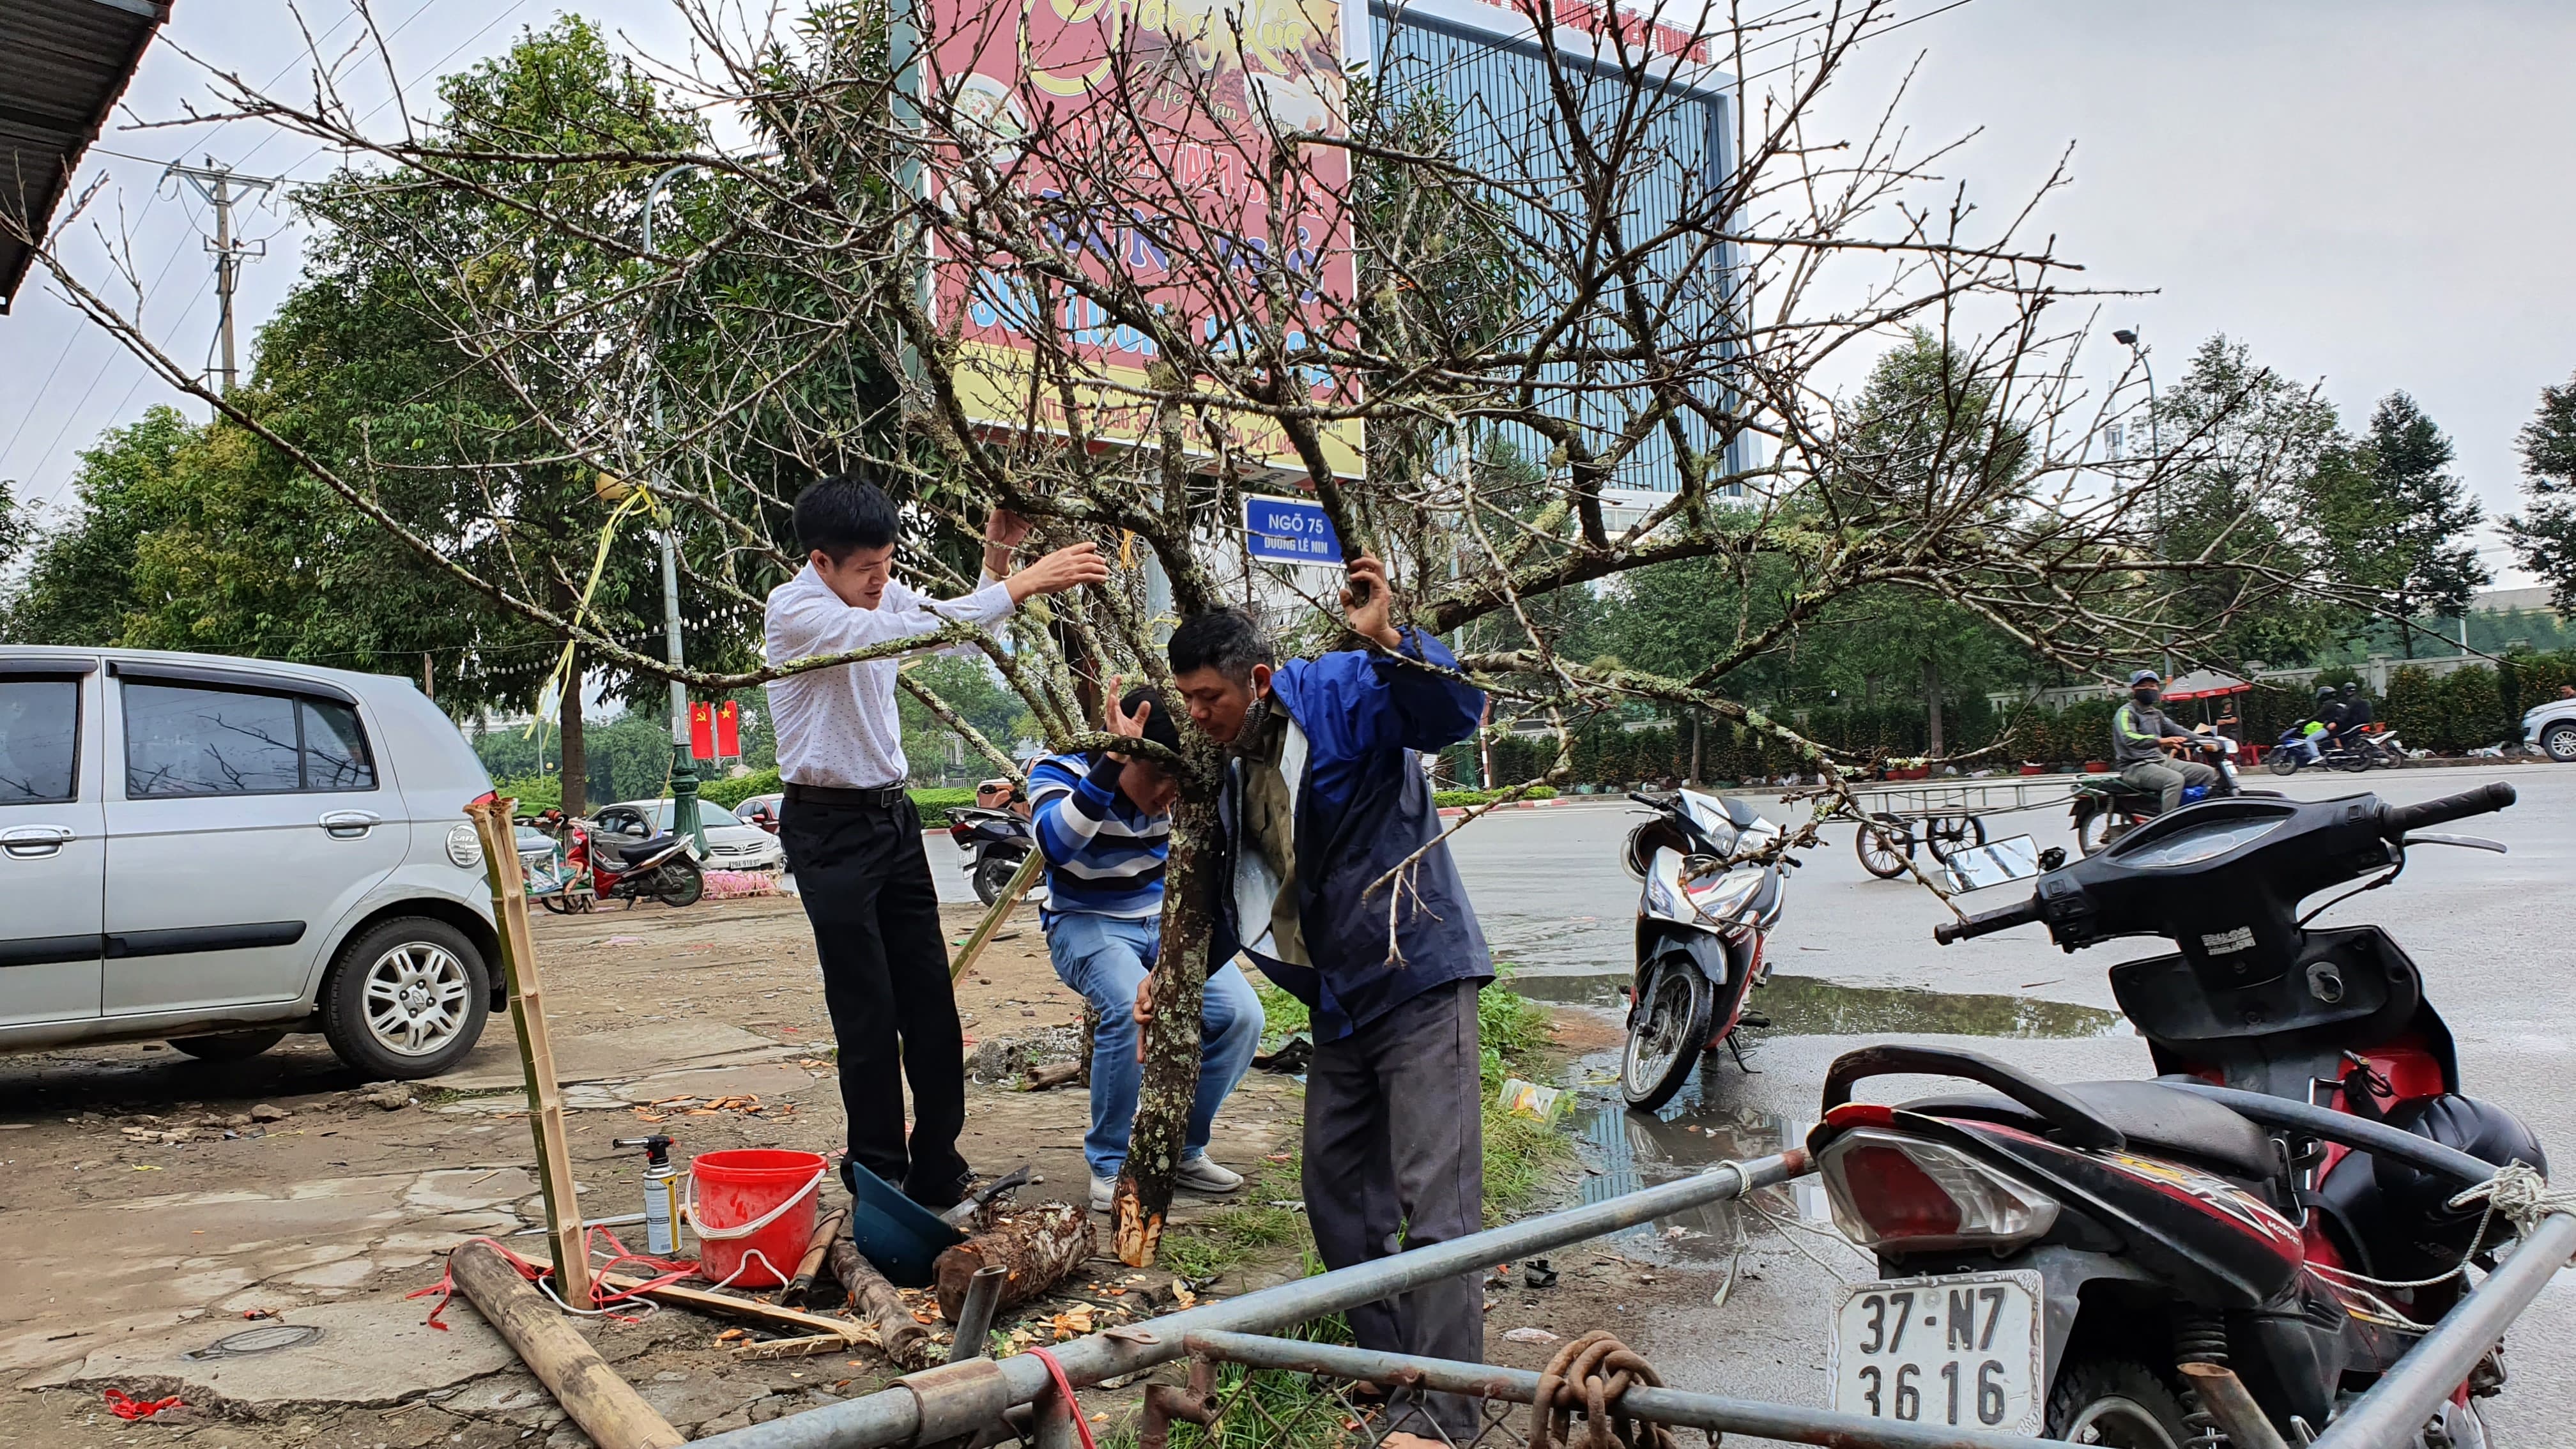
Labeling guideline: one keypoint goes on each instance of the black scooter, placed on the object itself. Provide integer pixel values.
(2081, 1259)
(994, 839)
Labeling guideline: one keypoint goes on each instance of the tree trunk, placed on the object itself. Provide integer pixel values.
(1932, 709)
(898, 1332)
(1695, 753)
(1037, 1248)
(576, 762)
(1172, 1037)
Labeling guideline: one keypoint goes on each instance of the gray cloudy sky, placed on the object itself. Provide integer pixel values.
(2372, 193)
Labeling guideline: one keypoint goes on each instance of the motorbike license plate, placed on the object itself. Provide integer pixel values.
(1961, 1352)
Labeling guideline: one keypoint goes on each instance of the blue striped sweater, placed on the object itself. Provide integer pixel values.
(1104, 857)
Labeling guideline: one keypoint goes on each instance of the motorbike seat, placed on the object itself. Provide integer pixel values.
(644, 850)
(2154, 1117)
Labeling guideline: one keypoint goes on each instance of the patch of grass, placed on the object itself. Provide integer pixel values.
(1282, 1015)
(1240, 1232)
(1448, 799)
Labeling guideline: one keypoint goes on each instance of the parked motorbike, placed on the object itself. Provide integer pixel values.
(1709, 899)
(2290, 754)
(2106, 807)
(993, 834)
(2273, 1211)
(658, 869)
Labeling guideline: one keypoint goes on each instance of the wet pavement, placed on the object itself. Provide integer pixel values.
(1855, 964)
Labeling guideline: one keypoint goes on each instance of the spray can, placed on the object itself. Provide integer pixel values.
(661, 1194)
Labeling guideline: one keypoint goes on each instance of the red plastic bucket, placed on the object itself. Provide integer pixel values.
(753, 1211)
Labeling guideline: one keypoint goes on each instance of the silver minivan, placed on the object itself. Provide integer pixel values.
(219, 851)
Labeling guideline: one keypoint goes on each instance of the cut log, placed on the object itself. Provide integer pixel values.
(801, 1291)
(1038, 1247)
(898, 1332)
(1050, 1074)
(605, 1406)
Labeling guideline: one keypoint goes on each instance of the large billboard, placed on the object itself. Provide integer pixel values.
(1158, 120)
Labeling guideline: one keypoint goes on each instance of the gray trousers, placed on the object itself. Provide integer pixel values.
(1395, 1159)
(2169, 776)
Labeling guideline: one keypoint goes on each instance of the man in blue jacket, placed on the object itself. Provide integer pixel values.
(1337, 888)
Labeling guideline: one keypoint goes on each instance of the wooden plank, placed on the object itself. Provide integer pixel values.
(605, 1406)
(564, 1238)
(718, 1303)
(812, 1347)
(1003, 904)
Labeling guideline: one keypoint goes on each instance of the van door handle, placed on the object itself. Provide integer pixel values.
(35, 842)
(350, 824)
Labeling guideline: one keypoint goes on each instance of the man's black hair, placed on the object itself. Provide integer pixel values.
(842, 515)
(1228, 641)
(1159, 726)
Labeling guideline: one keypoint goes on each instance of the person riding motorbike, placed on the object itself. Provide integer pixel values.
(2141, 736)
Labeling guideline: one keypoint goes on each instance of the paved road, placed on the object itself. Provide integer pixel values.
(1855, 957)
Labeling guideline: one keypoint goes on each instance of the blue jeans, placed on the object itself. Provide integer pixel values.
(1105, 959)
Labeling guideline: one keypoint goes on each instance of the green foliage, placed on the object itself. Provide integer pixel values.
(2416, 517)
(1452, 799)
(970, 687)
(627, 758)
(2465, 709)
(2544, 532)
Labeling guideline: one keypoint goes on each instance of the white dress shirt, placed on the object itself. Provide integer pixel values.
(838, 727)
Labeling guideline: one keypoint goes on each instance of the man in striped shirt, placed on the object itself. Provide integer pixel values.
(1103, 822)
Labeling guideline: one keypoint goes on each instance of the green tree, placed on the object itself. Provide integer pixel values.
(2409, 517)
(80, 577)
(2544, 533)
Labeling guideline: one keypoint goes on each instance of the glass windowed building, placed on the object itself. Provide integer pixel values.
(1486, 68)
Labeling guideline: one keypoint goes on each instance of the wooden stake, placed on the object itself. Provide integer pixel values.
(897, 1331)
(491, 819)
(717, 1303)
(605, 1406)
(1003, 905)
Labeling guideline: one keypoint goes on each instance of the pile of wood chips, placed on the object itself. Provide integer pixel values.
(665, 1108)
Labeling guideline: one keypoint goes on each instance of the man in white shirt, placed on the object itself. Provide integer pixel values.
(852, 836)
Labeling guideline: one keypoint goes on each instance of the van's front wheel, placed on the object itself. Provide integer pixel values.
(407, 999)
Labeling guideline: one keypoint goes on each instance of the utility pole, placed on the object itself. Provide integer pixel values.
(684, 766)
(216, 184)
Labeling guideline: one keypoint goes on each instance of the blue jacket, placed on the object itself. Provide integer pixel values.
(1362, 807)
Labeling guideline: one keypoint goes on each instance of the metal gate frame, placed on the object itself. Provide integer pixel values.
(958, 1401)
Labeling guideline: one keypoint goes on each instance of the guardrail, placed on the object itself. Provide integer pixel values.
(983, 1401)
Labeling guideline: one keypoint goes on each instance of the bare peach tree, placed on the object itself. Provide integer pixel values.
(1519, 330)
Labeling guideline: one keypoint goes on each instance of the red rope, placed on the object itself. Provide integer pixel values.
(1064, 1386)
(669, 1270)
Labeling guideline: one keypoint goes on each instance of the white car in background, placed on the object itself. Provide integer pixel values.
(218, 852)
(731, 844)
(2551, 729)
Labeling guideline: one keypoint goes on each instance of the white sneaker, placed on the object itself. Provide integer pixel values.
(1205, 1174)
(1104, 1194)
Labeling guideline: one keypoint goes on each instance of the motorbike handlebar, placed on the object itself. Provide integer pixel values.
(2396, 820)
(2002, 919)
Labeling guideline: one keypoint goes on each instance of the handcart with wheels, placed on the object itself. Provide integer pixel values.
(1942, 816)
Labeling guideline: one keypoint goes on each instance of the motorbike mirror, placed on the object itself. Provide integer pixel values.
(2000, 862)
(2467, 842)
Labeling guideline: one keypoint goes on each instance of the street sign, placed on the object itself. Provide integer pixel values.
(1289, 530)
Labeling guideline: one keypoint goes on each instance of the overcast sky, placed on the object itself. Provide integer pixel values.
(2374, 194)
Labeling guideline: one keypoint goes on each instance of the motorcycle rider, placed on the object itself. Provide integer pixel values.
(2141, 734)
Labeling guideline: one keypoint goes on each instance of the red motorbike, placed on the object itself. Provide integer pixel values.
(659, 869)
(2117, 1262)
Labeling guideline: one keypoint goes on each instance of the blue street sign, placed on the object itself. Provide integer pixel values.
(1289, 530)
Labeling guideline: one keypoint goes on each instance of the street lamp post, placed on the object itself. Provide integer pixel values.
(684, 771)
(2128, 338)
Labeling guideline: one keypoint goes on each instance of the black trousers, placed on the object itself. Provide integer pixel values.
(1395, 1159)
(865, 881)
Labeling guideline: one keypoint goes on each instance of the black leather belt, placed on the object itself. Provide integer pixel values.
(882, 798)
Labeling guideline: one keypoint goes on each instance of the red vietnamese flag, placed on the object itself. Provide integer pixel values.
(728, 731)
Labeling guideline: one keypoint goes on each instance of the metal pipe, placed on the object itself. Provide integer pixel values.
(2232, 1405)
(890, 1416)
(1664, 1406)
(2376, 1138)
(2396, 1408)
(975, 1316)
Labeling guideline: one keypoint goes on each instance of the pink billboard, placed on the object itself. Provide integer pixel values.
(1147, 134)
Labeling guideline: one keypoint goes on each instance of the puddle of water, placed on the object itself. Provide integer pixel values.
(1814, 1006)
(1626, 1150)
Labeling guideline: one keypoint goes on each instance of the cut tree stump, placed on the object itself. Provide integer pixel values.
(898, 1332)
(605, 1406)
(1038, 1247)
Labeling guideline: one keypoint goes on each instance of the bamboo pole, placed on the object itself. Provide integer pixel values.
(1003, 904)
(605, 1406)
(491, 817)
